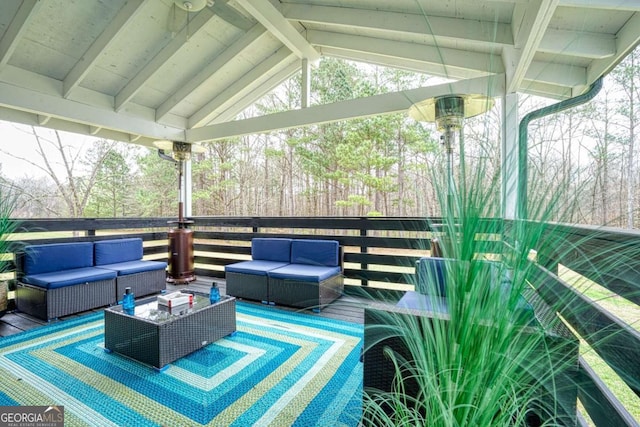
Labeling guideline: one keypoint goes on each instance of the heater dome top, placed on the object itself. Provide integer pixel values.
(443, 107)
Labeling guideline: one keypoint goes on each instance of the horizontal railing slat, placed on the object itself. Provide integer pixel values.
(616, 342)
(603, 407)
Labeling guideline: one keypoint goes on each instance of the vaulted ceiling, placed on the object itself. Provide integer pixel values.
(141, 70)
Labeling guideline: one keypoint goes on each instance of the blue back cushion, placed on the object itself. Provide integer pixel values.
(118, 250)
(315, 252)
(269, 249)
(56, 257)
(430, 276)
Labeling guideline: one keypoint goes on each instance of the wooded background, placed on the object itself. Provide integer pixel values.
(382, 166)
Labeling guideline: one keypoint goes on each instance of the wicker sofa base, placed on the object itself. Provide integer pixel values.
(47, 304)
(312, 295)
(247, 286)
(144, 283)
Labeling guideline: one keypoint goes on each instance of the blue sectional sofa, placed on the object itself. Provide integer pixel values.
(59, 279)
(294, 272)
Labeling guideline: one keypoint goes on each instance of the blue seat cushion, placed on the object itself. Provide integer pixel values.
(271, 249)
(315, 252)
(524, 314)
(117, 250)
(304, 272)
(133, 267)
(76, 276)
(258, 267)
(57, 257)
(417, 301)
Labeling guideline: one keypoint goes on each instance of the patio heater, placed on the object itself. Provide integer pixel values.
(449, 112)
(181, 258)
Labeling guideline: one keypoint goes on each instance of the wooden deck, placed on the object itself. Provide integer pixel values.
(346, 308)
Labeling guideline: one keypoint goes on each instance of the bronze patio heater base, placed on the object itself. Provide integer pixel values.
(181, 258)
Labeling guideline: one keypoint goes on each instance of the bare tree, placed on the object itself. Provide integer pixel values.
(63, 164)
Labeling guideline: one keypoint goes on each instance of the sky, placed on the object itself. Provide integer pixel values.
(17, 140)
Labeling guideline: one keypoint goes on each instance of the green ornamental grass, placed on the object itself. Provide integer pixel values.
(482, 363)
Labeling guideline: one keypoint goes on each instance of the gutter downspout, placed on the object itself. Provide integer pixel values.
(523, 136)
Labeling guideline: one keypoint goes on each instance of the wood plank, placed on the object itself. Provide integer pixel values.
(616, 342)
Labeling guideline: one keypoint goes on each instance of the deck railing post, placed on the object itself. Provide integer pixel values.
(363, 250)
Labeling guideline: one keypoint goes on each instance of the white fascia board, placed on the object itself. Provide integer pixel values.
(484, 32)
(628, 5)
(403, 64)
(363, 107)
(32, 119)
(626, 40)
(442, 57)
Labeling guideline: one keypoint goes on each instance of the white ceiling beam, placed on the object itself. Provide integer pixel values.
(530, 24)
(403, 64)
(100, 44)
(192, 84)
(626, 40)
(546, 90)
(30, 119)
(276, 24)
(557, 74)
(16, 29)
(395, 102)
(243, 85)
(154, 66)
(485, 32)
(576, 43)
(41, 103)
(444, 58)
(623, 5)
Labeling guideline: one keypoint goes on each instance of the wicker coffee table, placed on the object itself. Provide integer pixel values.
(155, 337)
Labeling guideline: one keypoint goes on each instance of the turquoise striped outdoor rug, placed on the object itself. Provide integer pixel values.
(280, 369)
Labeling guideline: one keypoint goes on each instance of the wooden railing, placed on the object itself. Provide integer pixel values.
(381, 253)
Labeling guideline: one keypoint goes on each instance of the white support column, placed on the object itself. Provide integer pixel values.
(510, 165)
(305, 90)
(188, 189)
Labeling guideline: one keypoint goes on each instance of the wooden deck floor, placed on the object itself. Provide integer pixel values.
(347, 308)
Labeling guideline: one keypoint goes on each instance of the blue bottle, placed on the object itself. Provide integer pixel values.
(214, 293)
(128, 302)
